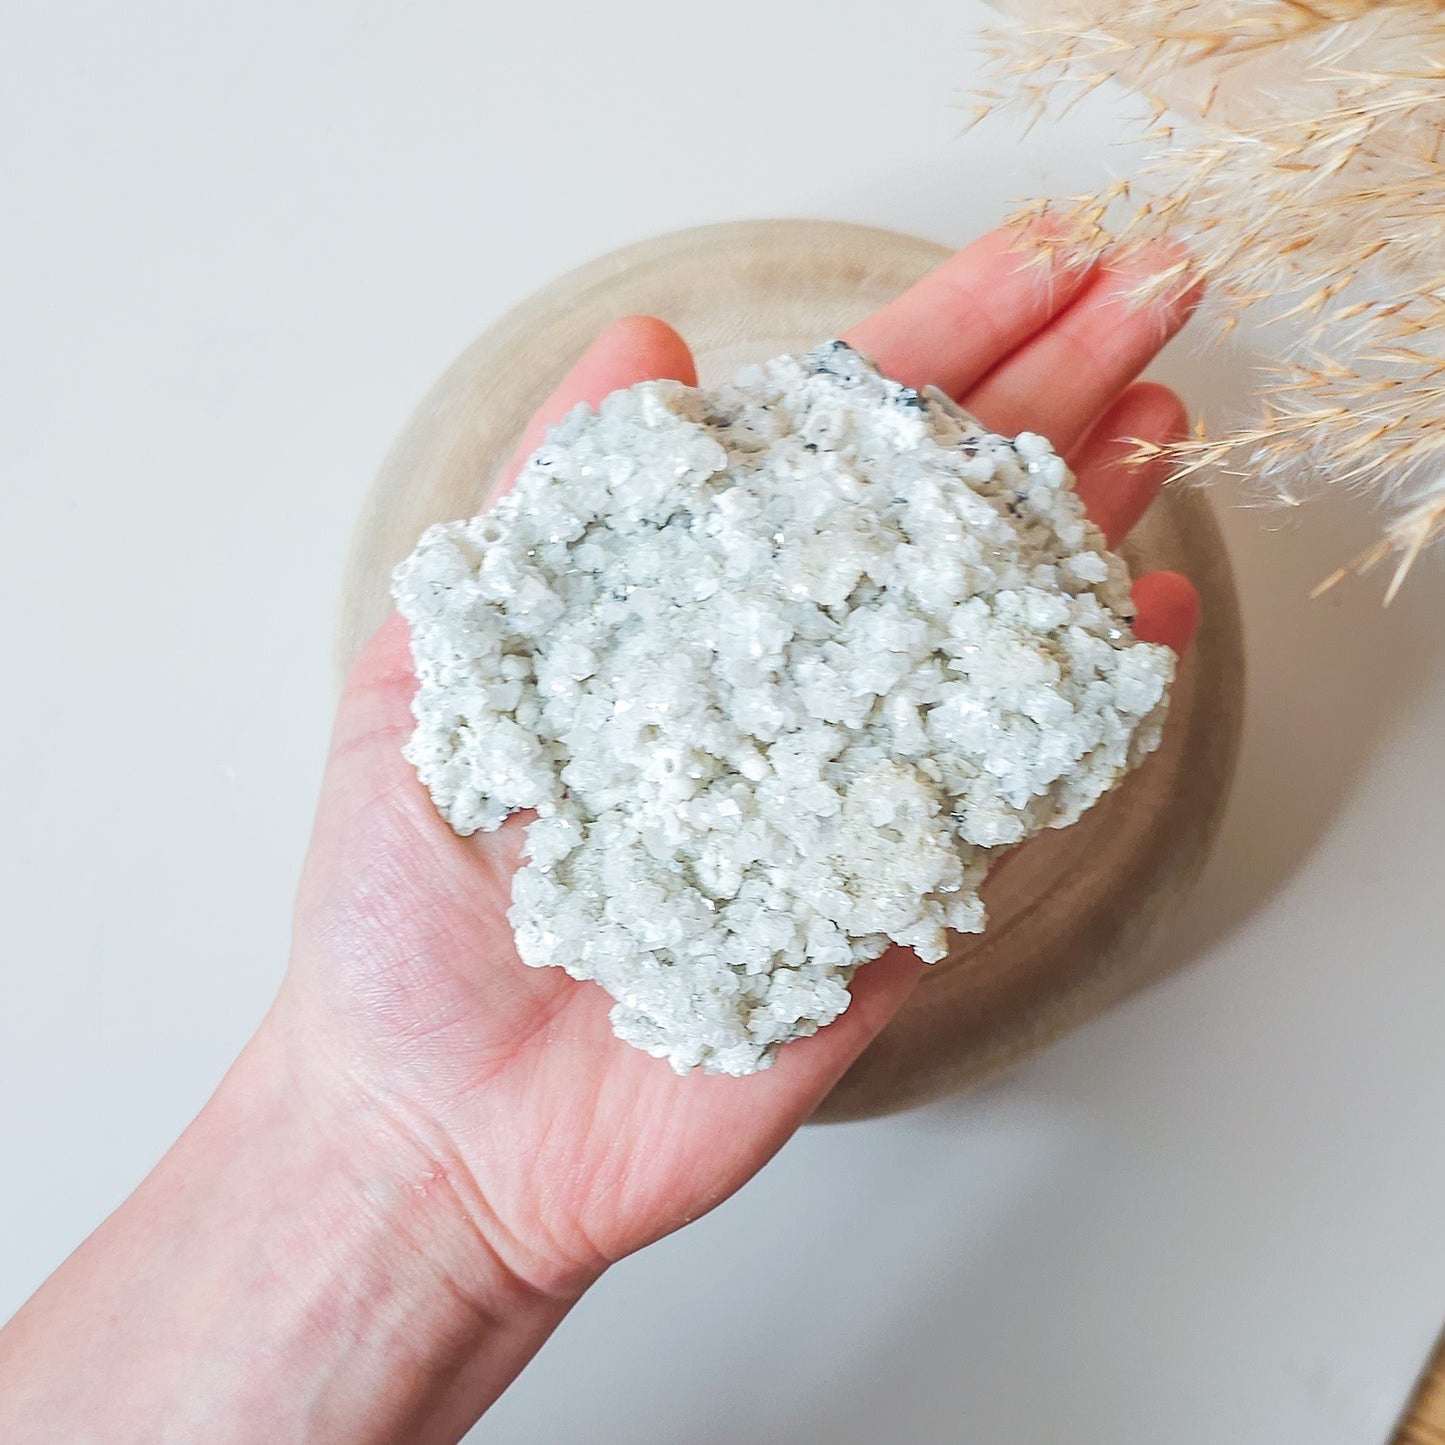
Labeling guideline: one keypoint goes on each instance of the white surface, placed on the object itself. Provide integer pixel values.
(239, 244)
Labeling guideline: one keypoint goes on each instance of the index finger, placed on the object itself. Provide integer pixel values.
(973, 311)
(632, 349)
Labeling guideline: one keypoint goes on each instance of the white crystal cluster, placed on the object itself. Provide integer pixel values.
(780, 667)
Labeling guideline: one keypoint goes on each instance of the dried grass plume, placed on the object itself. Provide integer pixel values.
(1297, 148)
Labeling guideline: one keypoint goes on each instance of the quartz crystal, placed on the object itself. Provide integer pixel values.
(780, 668)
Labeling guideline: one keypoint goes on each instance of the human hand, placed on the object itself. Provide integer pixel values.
(429, 1150)
(567, 1149)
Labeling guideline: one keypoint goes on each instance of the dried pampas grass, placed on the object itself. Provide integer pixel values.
(1300, 150)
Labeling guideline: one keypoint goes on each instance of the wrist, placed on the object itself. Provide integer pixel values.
(298, 1266)
(388, 1244)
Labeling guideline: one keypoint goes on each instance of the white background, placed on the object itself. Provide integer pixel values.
(238, 244)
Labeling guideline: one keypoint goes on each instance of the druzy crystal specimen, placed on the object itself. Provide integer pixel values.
(780, 667)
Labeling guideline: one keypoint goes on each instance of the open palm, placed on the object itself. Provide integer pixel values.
(573, 1149)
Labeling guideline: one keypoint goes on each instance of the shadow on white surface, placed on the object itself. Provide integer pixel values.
(1325, 676)
(1064, 1323)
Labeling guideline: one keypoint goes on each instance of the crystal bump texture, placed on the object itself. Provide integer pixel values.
(780, 667)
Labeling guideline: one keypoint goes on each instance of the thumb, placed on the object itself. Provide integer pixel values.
(376, 696)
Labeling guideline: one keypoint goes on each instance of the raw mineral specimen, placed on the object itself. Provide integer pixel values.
(781, 667)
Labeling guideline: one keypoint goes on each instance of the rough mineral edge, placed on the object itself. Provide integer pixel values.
(781, 667)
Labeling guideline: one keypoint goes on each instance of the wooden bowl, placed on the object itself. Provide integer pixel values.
(1073, 916)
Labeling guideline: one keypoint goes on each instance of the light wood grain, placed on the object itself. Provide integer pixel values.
(1074, 917)
(1424, 1419)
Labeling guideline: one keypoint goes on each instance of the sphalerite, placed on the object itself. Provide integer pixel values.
(780, 667)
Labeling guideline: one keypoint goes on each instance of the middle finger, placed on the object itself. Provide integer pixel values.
(1062, 381)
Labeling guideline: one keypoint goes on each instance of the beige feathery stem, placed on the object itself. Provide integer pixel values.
(1299, 149)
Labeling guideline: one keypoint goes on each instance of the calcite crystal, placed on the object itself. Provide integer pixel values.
(780, 667)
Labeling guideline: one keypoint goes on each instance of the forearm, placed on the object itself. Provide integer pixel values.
(295, 1268)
